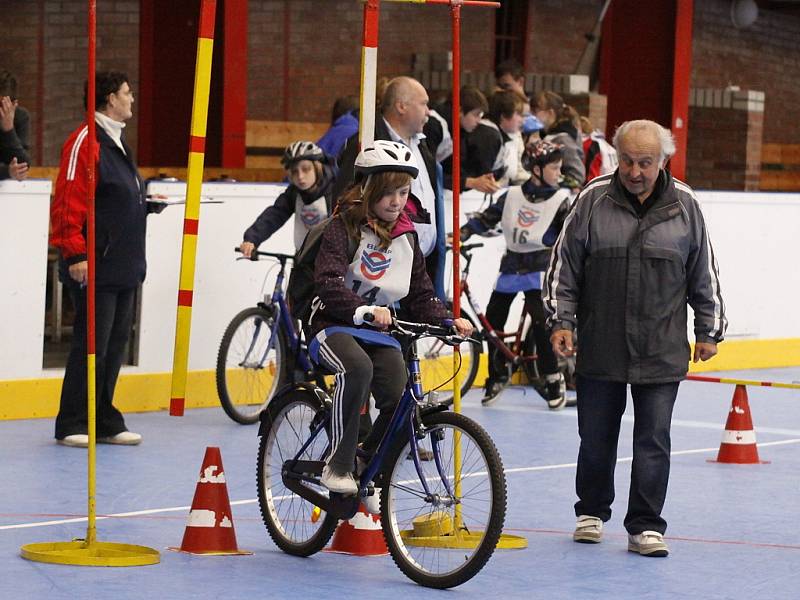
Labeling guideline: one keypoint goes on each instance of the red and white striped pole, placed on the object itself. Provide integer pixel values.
(369, 72)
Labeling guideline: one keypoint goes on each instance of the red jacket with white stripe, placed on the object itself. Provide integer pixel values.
(121, 210)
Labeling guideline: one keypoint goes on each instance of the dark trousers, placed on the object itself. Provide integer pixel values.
(360, 368)
(114, 314)
(600, 408)
(497, 314)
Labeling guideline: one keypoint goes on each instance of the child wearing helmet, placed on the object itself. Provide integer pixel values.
(387, 267)
(308, 197)
(531, 216)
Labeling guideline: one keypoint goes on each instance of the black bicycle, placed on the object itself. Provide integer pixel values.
(441, 519)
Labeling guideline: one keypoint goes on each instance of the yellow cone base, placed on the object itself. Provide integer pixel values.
(97, 554)
(436, 531)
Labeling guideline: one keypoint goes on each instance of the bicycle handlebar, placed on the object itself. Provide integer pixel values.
(464, 249)
(256, 253)
(447, 334)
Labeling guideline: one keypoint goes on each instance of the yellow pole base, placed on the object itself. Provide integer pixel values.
(97, 554)
(436, 531)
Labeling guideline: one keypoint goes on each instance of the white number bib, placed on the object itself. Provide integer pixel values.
(381, 277)
(525, 222)
(306, 216)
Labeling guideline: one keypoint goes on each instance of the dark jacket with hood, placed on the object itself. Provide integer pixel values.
(435, 261)
(274, 216)
(339, 303)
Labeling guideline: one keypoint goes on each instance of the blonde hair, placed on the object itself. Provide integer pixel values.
(356, 204)
(548, 100)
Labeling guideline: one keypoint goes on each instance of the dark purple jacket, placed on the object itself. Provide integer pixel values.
(340, 303)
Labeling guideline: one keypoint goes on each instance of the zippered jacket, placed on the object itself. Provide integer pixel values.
(121, 210)
(624, 282)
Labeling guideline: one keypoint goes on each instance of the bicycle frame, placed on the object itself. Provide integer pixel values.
(284, 319)
(512, 352)
(297, 471)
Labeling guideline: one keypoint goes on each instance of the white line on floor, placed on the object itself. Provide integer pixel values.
(254, 500)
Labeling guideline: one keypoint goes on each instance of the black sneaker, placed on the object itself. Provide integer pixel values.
(556, 391)
(492, 389)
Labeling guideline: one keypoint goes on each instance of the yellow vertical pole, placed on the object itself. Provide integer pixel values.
(191, 219)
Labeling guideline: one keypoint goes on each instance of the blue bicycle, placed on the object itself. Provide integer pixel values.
(261, 350)
(441, 519)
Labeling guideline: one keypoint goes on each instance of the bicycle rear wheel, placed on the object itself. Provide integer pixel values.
(441, 540)
(294, 524)
(436, 362)
(251, 364)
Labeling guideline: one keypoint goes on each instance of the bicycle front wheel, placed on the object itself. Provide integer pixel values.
(445, 538)
(251, 364)
(294, 524)
(436, 362)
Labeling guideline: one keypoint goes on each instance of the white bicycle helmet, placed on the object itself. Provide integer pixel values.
(384, 156)
(301, 150)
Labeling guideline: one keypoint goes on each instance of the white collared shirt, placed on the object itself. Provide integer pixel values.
(422, 188)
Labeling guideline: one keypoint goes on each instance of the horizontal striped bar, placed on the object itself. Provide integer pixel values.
(185, 297)
(790, 386)
(207, 16)
(739, 437)
(197, 144)
(190, 226)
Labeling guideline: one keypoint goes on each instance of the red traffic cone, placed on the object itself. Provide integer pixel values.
(209, 529)
(361, 536)
(739, 440)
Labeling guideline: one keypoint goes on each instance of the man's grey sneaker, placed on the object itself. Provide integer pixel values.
(123, 438)
(76, 440)
(648, 543)
(342, 483)
(588, 530)
(556, 390)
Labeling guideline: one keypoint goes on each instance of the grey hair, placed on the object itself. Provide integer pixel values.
(665, 137)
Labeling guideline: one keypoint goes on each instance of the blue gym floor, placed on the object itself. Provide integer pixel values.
(732, 528)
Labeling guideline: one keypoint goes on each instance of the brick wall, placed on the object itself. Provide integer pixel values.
(64, 57)
(324, 48)
(724, 139)
(556, 37)
(324, 38)
(765, 57)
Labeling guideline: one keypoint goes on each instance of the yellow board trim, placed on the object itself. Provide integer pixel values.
(39, 398)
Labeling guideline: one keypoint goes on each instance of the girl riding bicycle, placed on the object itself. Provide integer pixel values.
(388, 267)
(531, 216)
(308, 197)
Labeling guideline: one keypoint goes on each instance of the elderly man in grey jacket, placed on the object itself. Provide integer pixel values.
(633, 253)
